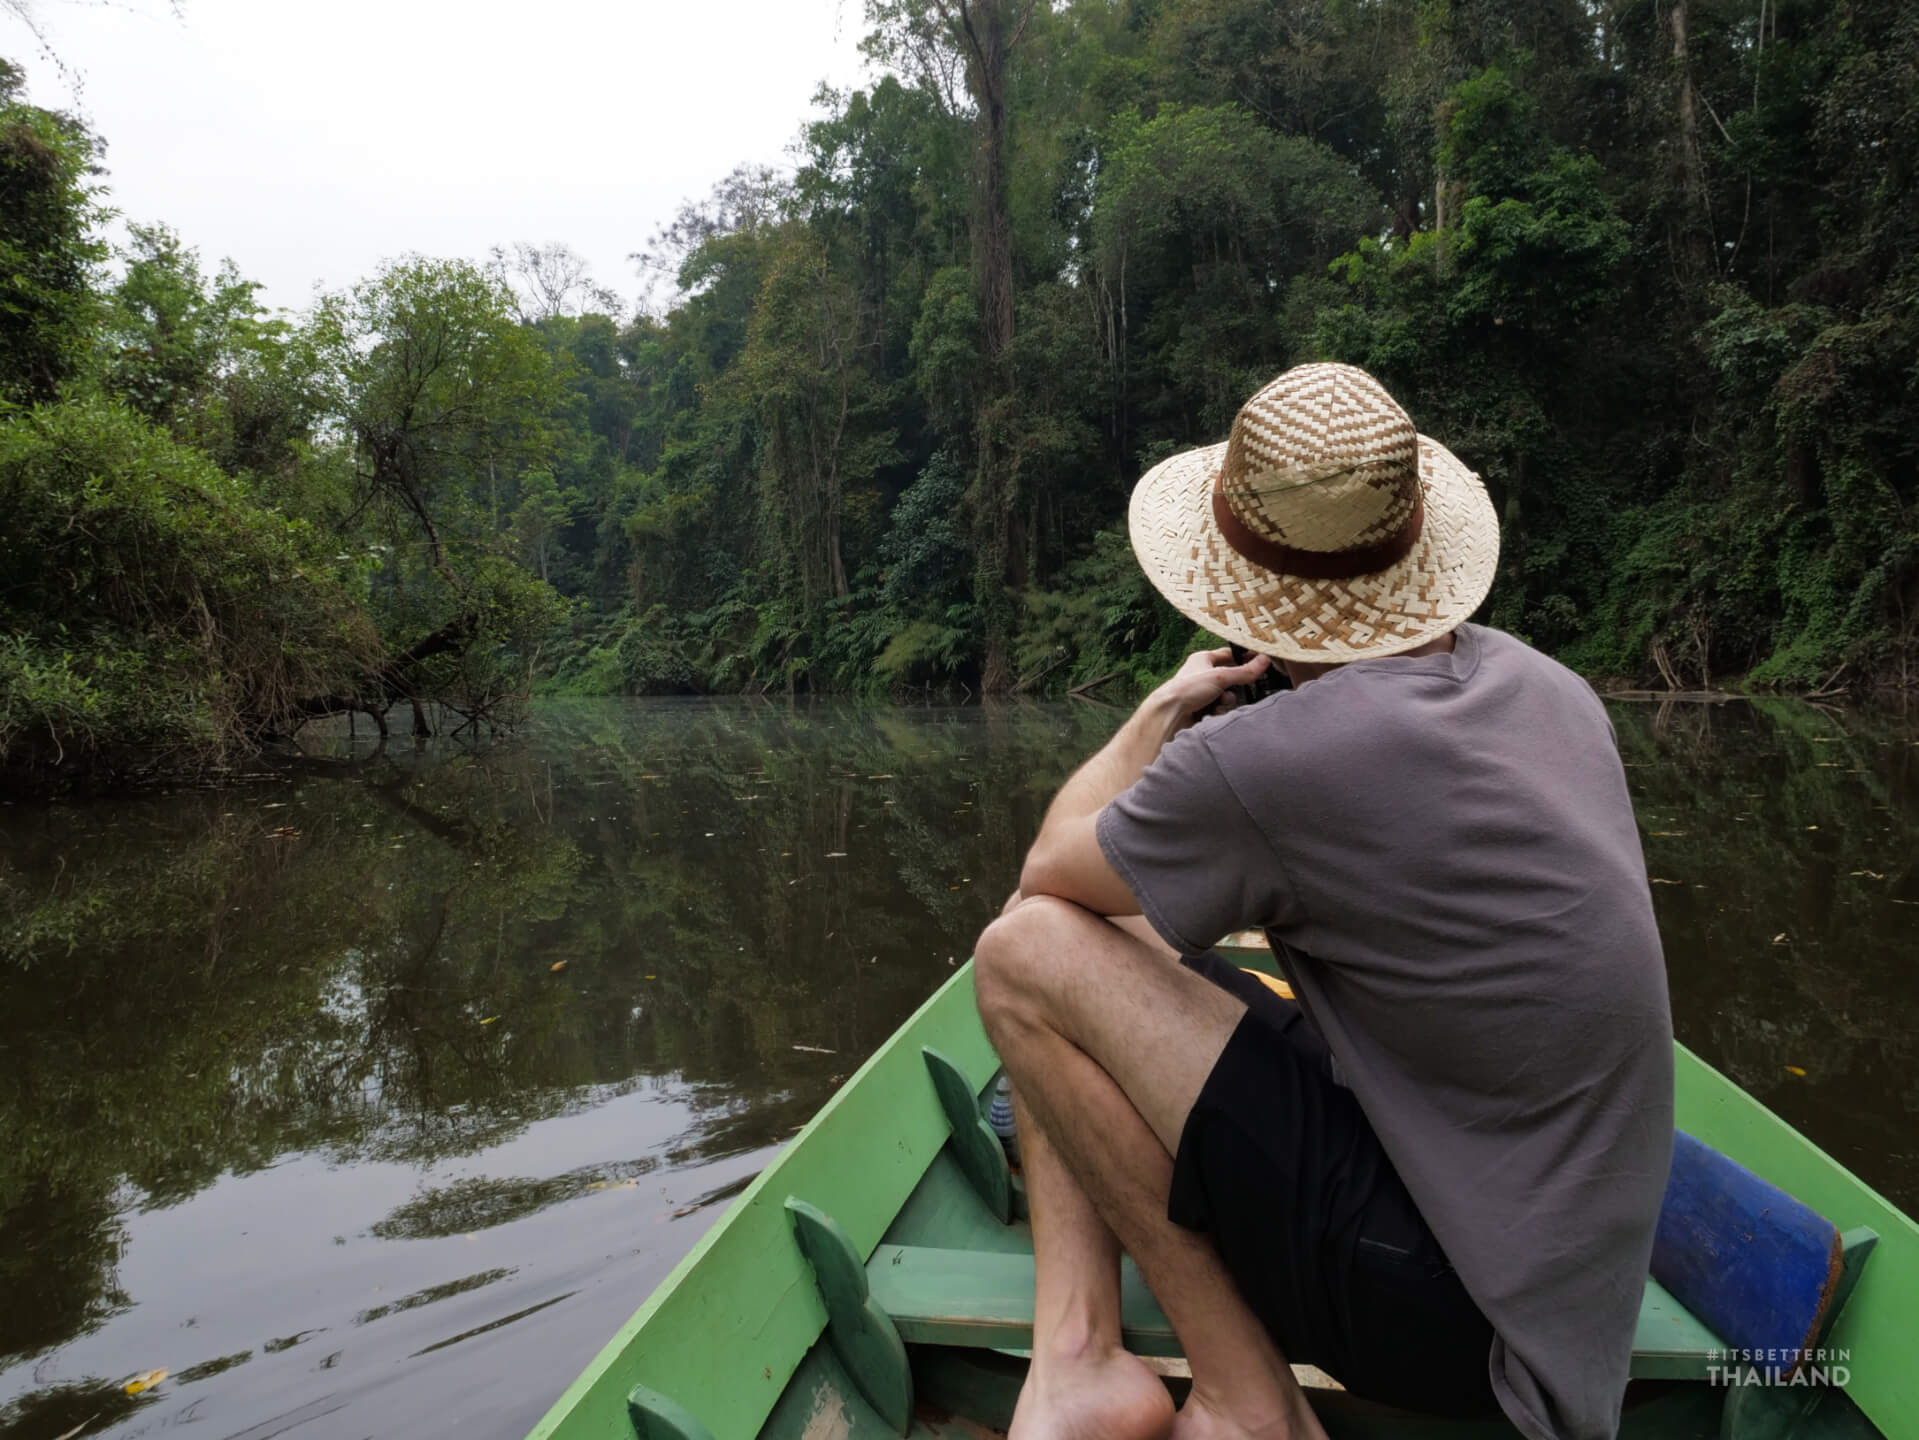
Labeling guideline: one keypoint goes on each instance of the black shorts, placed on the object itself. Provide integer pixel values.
(1279, 1165)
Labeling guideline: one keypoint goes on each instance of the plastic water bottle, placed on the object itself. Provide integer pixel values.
(999, 1115)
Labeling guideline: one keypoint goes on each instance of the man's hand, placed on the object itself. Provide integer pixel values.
(1203, 680)
(1066, 860)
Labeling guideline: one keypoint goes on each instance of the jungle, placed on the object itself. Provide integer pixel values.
(872, 424)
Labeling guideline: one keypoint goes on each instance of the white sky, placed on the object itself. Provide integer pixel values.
(310, 139)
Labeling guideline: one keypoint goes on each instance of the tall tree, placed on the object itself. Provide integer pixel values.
(48, 249)
(442, 393)
(986, 33)
(806, 375)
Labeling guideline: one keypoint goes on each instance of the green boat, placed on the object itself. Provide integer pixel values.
(876, 1280)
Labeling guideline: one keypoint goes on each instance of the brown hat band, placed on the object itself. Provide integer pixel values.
(1318, 564)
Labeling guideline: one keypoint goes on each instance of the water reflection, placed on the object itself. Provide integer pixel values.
(1781, 839)
(391, 1088)
(406, 983)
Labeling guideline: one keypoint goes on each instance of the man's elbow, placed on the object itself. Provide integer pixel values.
(1042, 874)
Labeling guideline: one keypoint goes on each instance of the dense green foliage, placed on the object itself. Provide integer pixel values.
(1642, 263)
(216, 525)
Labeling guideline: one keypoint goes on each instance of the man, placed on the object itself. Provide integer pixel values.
(1436, 1176)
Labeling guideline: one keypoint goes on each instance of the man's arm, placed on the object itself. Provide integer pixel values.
(1066, 860)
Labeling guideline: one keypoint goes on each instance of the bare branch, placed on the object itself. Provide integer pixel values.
(1019, 29)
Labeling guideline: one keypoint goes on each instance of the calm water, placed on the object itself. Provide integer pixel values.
(370, 1105)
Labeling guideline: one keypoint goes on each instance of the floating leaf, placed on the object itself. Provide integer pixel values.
(835, 854)
(1795, 1070)
(557, 966)
(652, 977)
(489, 1019)
(1654, 879)
(1869, 874)
(1812, 827)
(1780, 939)
(815, 1050)
(145, 1382)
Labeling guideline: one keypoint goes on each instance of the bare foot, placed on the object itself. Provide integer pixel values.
(1203, 1418)
(1106, 1395)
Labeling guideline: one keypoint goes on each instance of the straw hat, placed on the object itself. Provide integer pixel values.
(1325, 529)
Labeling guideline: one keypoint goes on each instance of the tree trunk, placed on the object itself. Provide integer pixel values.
(1695, 228)
(992, 224)
(984, 23)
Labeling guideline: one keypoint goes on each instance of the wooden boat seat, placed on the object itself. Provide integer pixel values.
(975, 1299)
(1738, 1264)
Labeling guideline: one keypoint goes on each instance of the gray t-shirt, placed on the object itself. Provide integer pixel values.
(1443, 852)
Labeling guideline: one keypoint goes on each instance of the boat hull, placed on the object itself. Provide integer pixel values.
(736, 1333)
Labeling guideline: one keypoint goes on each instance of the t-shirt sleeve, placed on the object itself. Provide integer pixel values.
(1186, 848)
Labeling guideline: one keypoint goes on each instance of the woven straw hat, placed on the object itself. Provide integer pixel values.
(1325, 529)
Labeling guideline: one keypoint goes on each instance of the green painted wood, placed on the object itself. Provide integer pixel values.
(821, 1402)
(862, 1335)
(944, 1211)
(1855, 1248)
(724, 1332)
(656, 1417)
(963, 1297)
(966, 1298)
(1881, 1321)
(1669, 1342)
(975, 1146)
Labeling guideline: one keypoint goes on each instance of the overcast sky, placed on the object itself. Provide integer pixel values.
(310, 139)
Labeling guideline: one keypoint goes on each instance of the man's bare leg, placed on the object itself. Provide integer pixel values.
(1108, 1044)
(1082, 1381)
(1083, 1385)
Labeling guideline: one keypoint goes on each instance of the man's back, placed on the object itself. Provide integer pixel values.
(1444, 849)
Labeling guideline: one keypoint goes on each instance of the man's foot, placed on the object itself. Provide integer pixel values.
(1203, 1418)
(1108, 1395)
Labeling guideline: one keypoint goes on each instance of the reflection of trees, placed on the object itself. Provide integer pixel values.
(185, 992)
(1780, 819)
(59, 1409)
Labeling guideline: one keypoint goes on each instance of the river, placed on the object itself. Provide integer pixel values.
(368, 1099)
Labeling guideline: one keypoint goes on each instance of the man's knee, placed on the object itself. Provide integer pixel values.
(1013, 954)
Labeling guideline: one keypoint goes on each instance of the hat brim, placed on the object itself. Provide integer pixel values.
(1431, 590)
